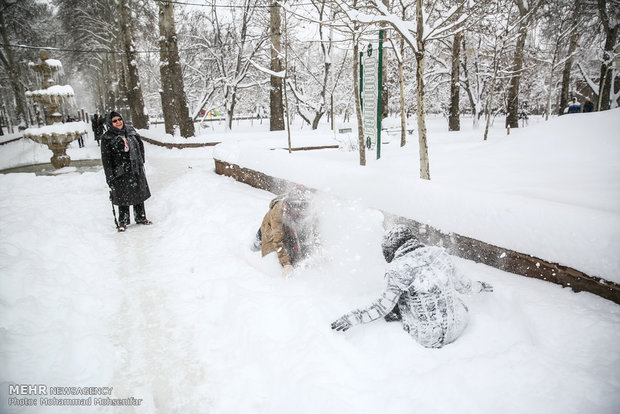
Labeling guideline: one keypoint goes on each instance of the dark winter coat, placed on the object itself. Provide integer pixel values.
(124, 169)
(574, 107)
(97, 125)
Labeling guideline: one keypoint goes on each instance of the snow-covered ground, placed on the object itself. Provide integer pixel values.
(184, 316)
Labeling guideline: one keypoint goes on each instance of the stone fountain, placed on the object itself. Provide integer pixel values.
(55, 134)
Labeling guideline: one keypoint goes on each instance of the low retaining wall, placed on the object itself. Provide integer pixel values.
(211, 144)
(312, 148)
(179, 145)
(11, 140)
(457, 245)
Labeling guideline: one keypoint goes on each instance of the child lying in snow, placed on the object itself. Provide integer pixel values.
(421, 292)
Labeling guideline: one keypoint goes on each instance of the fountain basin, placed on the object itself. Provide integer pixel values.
(57, 137)
(77, 166)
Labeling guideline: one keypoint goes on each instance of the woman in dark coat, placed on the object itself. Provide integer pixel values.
(122, 155)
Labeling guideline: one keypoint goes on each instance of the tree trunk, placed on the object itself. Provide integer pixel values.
(424, 162)
(556, 52)
(512, 118)
(317, 118)
(572, 46)
(231, 109)
(110, 77)
(385, 110)
(612, 27)
(276, 118)
(327, 65)
(527, 12)
(121, 95)
(401, 84)
(489, 111)
(454, 122)
(166, 92)
(358, 103)
(166, 95)
(288, 112)
(419, 57)
(16, 85)
(473, 98)
(134, 90)
(171, 73)
(550, 91)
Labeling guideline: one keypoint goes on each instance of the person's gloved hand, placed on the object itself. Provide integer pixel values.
(287, 271)
(485, 287)
(342, 324)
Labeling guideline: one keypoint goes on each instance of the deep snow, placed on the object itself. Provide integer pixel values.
(184, 316)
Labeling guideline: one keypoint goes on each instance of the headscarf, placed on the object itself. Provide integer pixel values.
(110, 125)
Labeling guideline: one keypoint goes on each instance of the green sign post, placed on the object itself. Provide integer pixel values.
(371, 73)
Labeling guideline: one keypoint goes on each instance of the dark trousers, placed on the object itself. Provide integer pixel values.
(138, 213)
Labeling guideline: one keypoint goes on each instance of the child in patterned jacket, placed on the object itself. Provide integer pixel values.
(421, 292)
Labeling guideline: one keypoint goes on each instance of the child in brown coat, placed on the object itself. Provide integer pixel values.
(286, 229)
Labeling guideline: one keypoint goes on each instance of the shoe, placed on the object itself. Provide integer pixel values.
(145, 222)
(257, 244)
(121, 227)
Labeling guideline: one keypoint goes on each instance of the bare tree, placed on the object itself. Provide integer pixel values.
(385, 92)
(432, 22)
(355, 31)
(454, 121)
(568, 63)
(173, 93)
(500, 39)
(609, 12)
(6, 57)
(474, 80)
(276, 118)
(134, 90)
(557, 28)
(527, 13)
(400, 59)
(235, 43)
(316, 106)
(20, 21)
(106, 38)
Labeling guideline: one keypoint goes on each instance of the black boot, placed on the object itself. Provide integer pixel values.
(394, 315)
(257, 245)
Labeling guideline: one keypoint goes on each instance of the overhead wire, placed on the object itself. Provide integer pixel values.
(120, 52)
(60, 49)
(228, 6)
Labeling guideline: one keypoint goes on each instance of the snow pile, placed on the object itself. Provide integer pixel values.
(54, 63)
(58, 129)
(546, 190)
(55, 91)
